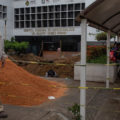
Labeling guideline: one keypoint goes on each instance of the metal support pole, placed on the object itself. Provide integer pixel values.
(108, 60)
(83, 68)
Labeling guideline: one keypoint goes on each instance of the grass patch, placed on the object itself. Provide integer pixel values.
(101, 60)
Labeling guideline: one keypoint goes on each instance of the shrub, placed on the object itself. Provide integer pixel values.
(75, 109)
(16, 46)
(95, 51)
(103, 36)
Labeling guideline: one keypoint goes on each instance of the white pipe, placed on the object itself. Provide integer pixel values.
(108, 61)
(83, 68)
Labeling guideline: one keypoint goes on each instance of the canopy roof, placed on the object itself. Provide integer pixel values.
(103, 15)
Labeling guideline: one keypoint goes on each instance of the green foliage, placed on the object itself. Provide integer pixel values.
(103, 36)
(12, 39)
(16, 46)
(75, 109)
(95, 51)
(101, 60)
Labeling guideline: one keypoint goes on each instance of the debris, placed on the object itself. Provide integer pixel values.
(51, 97)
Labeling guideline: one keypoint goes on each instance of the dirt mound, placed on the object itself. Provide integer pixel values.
(27, 57)
(18, 87)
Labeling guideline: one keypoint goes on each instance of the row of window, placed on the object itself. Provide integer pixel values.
(48, 16)
(46, 23)
(54, 8)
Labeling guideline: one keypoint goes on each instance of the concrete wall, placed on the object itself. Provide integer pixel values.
(96, 72)
(10, 19)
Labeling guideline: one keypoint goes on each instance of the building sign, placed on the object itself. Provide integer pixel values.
(50, 31)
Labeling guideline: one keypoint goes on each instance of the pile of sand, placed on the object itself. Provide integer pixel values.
(18, 87)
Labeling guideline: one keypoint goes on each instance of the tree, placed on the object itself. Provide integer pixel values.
(103, 36)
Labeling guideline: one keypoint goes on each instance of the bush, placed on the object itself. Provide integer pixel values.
(16, 46)
(75, 109)
(95, 51)
(103, 36)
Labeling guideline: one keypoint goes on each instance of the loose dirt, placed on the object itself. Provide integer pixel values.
(65, 71)
(19, 87)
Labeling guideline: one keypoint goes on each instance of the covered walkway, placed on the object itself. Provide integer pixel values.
(103, 15)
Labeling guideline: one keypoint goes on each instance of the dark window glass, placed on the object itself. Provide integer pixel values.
(63, 23)
(27, 24)
(32, 16)
(21, 10)
(64, 7)
(63, 15)
(16, 17)
(51, 23)
(70, 7)
(57, 15)
(22, 24)
(16, 24)
(83, 6)
(57, 23)
(70, 15)
(27, 17)
(38, 16)
(44, 23)
(27, 10)
(33, 10)
(51, 15)
(70, 22)
(51, 8)
(44, 16)
(57, 8)
(33, 24)
(77, 7)
(38, 23)
(38, 9)
(17, 11)
(44, 9)
(21, 17)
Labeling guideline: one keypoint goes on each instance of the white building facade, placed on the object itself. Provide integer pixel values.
(50, 21)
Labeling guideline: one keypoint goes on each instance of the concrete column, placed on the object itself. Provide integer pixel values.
(83, 68)
(108, 60)
(118, 38)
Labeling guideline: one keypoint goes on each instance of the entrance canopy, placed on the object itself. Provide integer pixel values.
(103, 15)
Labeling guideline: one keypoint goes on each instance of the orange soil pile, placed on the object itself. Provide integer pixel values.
(18, 87)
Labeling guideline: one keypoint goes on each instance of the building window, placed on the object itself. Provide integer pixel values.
(3, 12)
(46, 16)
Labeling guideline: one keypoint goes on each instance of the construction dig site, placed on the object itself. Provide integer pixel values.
(27, 94)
